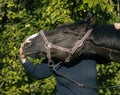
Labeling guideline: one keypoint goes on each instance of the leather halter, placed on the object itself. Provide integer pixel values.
(79, 43)
(48, 45)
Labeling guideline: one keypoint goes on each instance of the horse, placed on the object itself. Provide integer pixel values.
(68, 42)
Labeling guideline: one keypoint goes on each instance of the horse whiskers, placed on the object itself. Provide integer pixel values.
(35, 52)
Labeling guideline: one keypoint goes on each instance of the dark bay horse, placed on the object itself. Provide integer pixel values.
(103, 40)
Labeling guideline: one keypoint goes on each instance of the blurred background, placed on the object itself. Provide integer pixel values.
(21, 18)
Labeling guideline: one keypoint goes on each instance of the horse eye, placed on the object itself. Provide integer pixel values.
(28, 44)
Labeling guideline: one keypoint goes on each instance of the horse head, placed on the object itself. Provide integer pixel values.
(65, 36)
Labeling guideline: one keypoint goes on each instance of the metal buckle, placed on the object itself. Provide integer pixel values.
(51, 63)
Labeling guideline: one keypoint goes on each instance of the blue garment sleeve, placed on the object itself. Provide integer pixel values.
(39, 71)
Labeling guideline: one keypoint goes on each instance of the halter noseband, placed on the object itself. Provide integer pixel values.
(48, 45)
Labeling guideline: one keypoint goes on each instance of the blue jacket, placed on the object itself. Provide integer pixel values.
(82, 71)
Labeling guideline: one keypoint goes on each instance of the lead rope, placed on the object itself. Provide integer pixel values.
(52, 68)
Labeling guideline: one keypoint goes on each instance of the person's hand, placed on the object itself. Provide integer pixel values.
(22, 55)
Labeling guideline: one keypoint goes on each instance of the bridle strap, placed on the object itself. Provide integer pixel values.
(49, 45)
(79, 43)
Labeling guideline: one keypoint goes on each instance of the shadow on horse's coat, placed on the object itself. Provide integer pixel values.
(103, 44)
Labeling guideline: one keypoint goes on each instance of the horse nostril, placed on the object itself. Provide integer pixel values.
(27, 45)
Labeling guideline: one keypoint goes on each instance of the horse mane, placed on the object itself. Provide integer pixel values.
(106, 35)
(76, 26)
(71, 24)
(85, 20)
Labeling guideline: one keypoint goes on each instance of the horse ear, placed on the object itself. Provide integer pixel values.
(88, 17)
(91, 22)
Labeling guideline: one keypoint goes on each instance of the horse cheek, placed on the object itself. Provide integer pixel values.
(60, 54)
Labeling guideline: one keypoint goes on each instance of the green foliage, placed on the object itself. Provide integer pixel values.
(55, 13)
(108, 75)
(21, 18)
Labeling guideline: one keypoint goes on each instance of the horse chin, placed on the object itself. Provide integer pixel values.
(35, 55)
